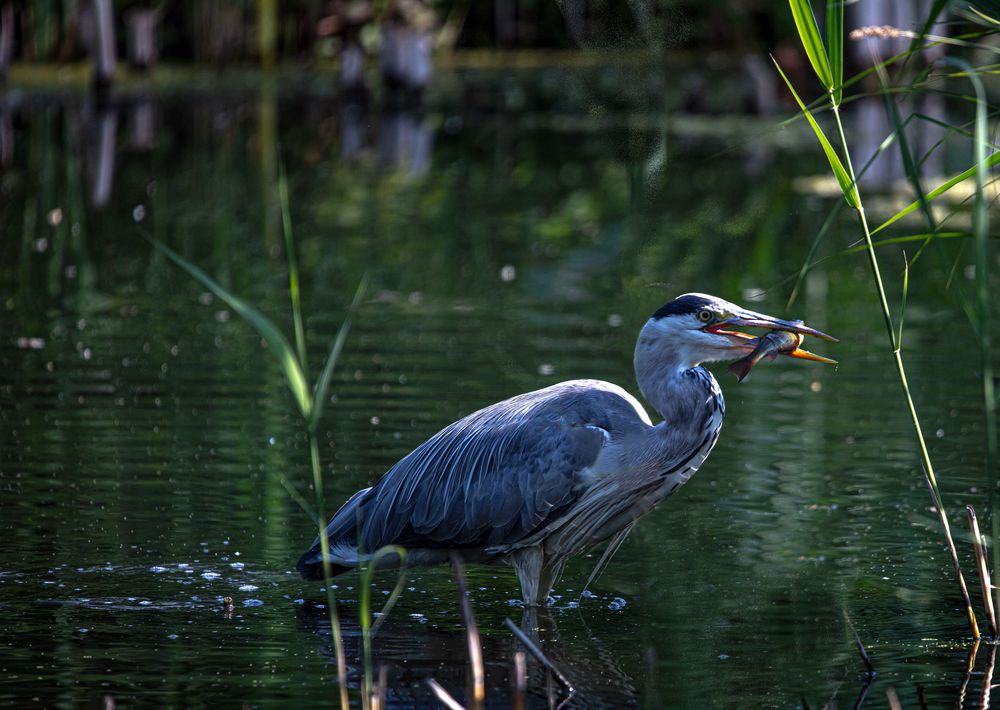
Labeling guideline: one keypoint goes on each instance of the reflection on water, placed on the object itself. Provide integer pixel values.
(144, 433)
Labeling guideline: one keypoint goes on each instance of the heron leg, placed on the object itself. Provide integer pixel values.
(536, 573)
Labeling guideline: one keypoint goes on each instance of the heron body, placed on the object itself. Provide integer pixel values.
(543, 476)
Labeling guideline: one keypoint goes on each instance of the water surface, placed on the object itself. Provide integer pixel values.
(145, 431)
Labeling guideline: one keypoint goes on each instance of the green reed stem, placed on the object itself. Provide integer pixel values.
(324, 546)
(368, 629)
(293, 268)
(901, 372)
(980, 229)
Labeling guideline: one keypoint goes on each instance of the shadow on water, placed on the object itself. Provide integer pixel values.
(414, 654)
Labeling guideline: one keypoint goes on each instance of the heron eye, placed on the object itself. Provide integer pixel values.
(704, 316)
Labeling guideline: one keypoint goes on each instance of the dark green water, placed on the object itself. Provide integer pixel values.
(144, 431)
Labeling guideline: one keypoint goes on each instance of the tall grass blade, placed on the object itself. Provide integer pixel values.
(909, 166)
(979, 13)
(539, 655)
(846, 183)
(925, 458)
(473, 644)
(807, 264)
(390, 603)
(921, 237)
(277, 342)
(902, 301)
(989, 162)
(323, 383)
(980, 229)
(917, 43)
(443, 696)
(364, 603)
(331, 598)
(805, 23)
(293, 268)
(835, 46)
(294, 494)
(979, 546)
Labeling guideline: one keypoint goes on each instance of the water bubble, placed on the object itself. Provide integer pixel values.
(145, 602)
(617, 603)
(252, 602)
(156, 569)
(515, 602)
(723, 657)
(587, 594)
(573, 604)
(300, 601)
(271, 440)
(210, 575)
(83, 630)
(172, 637)
(248, 587)
(237, 565)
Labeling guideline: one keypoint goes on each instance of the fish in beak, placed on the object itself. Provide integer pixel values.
(784, 338)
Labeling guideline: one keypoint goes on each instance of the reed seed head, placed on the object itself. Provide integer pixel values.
(878, 32)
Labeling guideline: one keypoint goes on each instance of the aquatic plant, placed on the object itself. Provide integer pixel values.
(827, 63)
(310, 401)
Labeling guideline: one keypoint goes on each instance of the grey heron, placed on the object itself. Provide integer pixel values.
(543, 476)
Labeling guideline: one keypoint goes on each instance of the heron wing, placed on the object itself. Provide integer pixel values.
(499, 475)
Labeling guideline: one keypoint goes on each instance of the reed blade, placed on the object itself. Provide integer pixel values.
(364, 610)
(276, 342)
(473, 643)
(293, 268)
(443, 696)
(979, 546)
(835, 46)
(400, 552)
(989, 162)
(805, 23)
(846, 183)
(539, 655)
(323, 383)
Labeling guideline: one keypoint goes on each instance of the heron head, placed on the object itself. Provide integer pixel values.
(697, 328)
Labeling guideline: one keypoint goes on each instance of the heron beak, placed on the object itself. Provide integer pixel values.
(750, 319)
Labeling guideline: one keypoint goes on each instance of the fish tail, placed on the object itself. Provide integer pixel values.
(741, 368)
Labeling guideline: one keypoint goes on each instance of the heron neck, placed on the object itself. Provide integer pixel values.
(681, 393)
